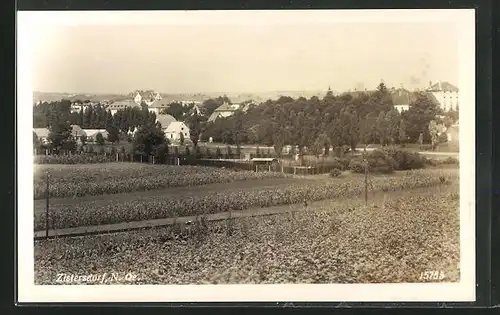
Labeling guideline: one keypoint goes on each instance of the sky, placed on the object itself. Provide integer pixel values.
(244, 57)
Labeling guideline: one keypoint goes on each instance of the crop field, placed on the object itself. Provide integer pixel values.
(209, 202)
(393, 239)
(112, 178)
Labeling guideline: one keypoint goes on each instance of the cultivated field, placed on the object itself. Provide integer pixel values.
(118, 209)
(111, 178)
(295, 229)
(396, 238)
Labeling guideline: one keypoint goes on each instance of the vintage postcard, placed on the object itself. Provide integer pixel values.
(246, 156)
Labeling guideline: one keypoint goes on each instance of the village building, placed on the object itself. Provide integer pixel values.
(165, 120)
(78, 106)
(173, 128)
(92, 134)
(149, 97)
(42, 134)
(401, 99)
(157, 108)
(121, 105)
(445, 94)
(225, 110)
(78, 133)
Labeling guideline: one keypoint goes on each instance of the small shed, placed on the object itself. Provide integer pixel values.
(264, 161)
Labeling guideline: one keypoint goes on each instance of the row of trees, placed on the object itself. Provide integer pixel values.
(334, 121)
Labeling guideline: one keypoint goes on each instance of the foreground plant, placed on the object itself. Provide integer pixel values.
(206, 203)
(392, 241)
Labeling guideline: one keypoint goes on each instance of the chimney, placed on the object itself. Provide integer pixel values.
(430, 83)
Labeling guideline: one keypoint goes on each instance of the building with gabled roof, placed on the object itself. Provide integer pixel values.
(157, 108)
(42, 134)
(401, 99)
(165, 120)
(445, 94)
(92, 134)
(120, 105)
(225, 110)
(149, 97)
(174, 130)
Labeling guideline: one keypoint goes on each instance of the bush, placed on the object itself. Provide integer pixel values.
(357, 166)
(335, 172)
(378, 162)
(431, 162)
(73, 159)
(405, 160)
(450, 160)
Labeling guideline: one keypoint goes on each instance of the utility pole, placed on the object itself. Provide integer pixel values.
(366, 175)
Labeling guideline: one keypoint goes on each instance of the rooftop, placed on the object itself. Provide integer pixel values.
(122, 104)
(442, 86)
(165, 120)
(41, 132)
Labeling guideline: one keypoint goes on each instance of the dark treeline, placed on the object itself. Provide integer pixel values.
(93, 117)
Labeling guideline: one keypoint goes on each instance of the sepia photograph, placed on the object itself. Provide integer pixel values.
(246, 155)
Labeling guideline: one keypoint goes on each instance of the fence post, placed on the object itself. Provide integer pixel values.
(47, 208)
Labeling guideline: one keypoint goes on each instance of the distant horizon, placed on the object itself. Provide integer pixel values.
(189, 55)
(237, 92)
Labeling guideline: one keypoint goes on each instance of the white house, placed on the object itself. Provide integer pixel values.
(77, 132)
(446, 94)
(149, 97)
(174, 130)
(225, 110)
(165, 120)
(157, 108)
(401, 99)
(92, 134)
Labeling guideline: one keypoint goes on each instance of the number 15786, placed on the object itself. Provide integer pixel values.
(431, 275)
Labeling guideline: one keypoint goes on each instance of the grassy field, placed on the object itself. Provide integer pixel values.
(393, 239)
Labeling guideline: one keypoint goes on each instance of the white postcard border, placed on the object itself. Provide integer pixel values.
(462, 291)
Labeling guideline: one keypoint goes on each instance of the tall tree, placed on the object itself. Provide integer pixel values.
(392, 122)
(99, 139)
(60, 137)
(403, 138)
(434, 133)
(36, 141)
(149, 140)
(324, 142)
(194, 129)
(382, 129)
(422, 110)
(181, 138)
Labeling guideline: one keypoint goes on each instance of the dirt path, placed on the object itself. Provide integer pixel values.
(374, 198)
